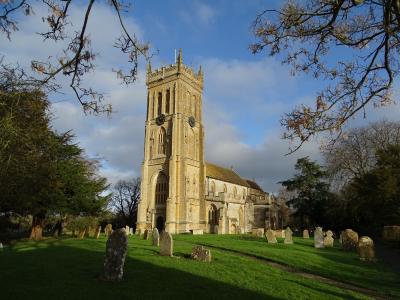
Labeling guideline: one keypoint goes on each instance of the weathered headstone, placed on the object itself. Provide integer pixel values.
(156, 237)
(131, 231)
(280, 233)
(197, 231)
(318, 238)
(259, 232)
(127, 230)
(341, 237)
(328, 239)
(146, 234)
(1, 245)
(201, 254)
(97, 233)
(391, 233)
(270, 235)
(288, 236)
(306, 234)
(366, 248)
(166, 244)
(116, 249)
(349, 240)
(81, 233)
(108, 230)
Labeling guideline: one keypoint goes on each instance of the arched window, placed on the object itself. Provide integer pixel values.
(161, 141)
(161, 189)
(213, 215)
(167, 97)
(151, 144)
(159, 107)
(212, 187)
(234, 191)
(225, 188)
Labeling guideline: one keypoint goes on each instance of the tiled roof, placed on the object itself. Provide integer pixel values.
(254, 185)
(224, 174)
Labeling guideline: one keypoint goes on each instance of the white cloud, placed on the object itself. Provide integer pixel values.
(198, 13)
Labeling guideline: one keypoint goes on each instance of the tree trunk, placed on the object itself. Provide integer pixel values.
(37, 227)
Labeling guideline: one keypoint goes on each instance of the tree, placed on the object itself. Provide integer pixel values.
(125, 197)
(373, 198)
(354, 154)
(367, 32)
(311, 198)
(77, 57)
(42, 172)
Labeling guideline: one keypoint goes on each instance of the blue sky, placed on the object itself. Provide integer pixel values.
(244, 94)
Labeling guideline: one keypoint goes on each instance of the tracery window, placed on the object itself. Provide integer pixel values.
(161, 189)
(161, 141)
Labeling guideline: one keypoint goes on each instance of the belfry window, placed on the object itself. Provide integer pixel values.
(161, 141)
(167, 100)
(161, 189)
(159, 107)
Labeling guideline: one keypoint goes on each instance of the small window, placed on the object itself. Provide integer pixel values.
(167, 96)
(159, 110)
(212, 187)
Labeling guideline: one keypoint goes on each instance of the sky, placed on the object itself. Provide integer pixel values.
(245, 95)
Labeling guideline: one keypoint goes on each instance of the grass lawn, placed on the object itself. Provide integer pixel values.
(69, 269)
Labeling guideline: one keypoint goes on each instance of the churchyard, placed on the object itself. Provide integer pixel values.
(242, 267)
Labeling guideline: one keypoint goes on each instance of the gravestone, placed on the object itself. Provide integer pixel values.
(318, 238)
(201, 254)
(328, 239)
(116, 249)
(288, 236)
(97, 233)
(108, 230)
(146, 234)
(1, 245)
(306, 234)
(127, 230)
(280, 233)
(391, 233)
(166, 244)
(366, 248)
(341, 237)
(156, 237)
(270, 235)
(81, 233)
(349, 240)
(131, 231)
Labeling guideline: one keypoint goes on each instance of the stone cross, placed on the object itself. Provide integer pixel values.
(116, 249)
(318, 238)
(156, 237)
(166, 244)
(270, 235)
(288, 236)
(328, 239)
(366, 248)
(306, 234)
(349, 240)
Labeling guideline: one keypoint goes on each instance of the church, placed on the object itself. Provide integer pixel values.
(180, 191)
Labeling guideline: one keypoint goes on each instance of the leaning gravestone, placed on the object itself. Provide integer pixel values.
(201, 254)
(156, 237)
(116, 249)
(81, 233)
(288, 236)
(318, 238)
(349, 240)
(270, 235)
(366, 248)
(328, 239)
(166, 244)
(97, 233)
(108, 230)
(306, 234)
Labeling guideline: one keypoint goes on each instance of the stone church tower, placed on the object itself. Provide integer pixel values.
(173, 171)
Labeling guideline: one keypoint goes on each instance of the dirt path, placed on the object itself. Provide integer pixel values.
(339, 284)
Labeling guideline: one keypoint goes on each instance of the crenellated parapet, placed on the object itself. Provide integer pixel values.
(177, 69)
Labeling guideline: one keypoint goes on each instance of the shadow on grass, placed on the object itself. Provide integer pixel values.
(58, 271)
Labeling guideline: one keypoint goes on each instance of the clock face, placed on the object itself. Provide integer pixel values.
(160, 119)
(192, 121)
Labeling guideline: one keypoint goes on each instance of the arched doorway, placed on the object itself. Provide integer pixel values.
(161, 196)
(213, 219)
(160, 223)
(233, 229)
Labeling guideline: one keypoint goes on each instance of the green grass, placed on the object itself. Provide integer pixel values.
(69, 269)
